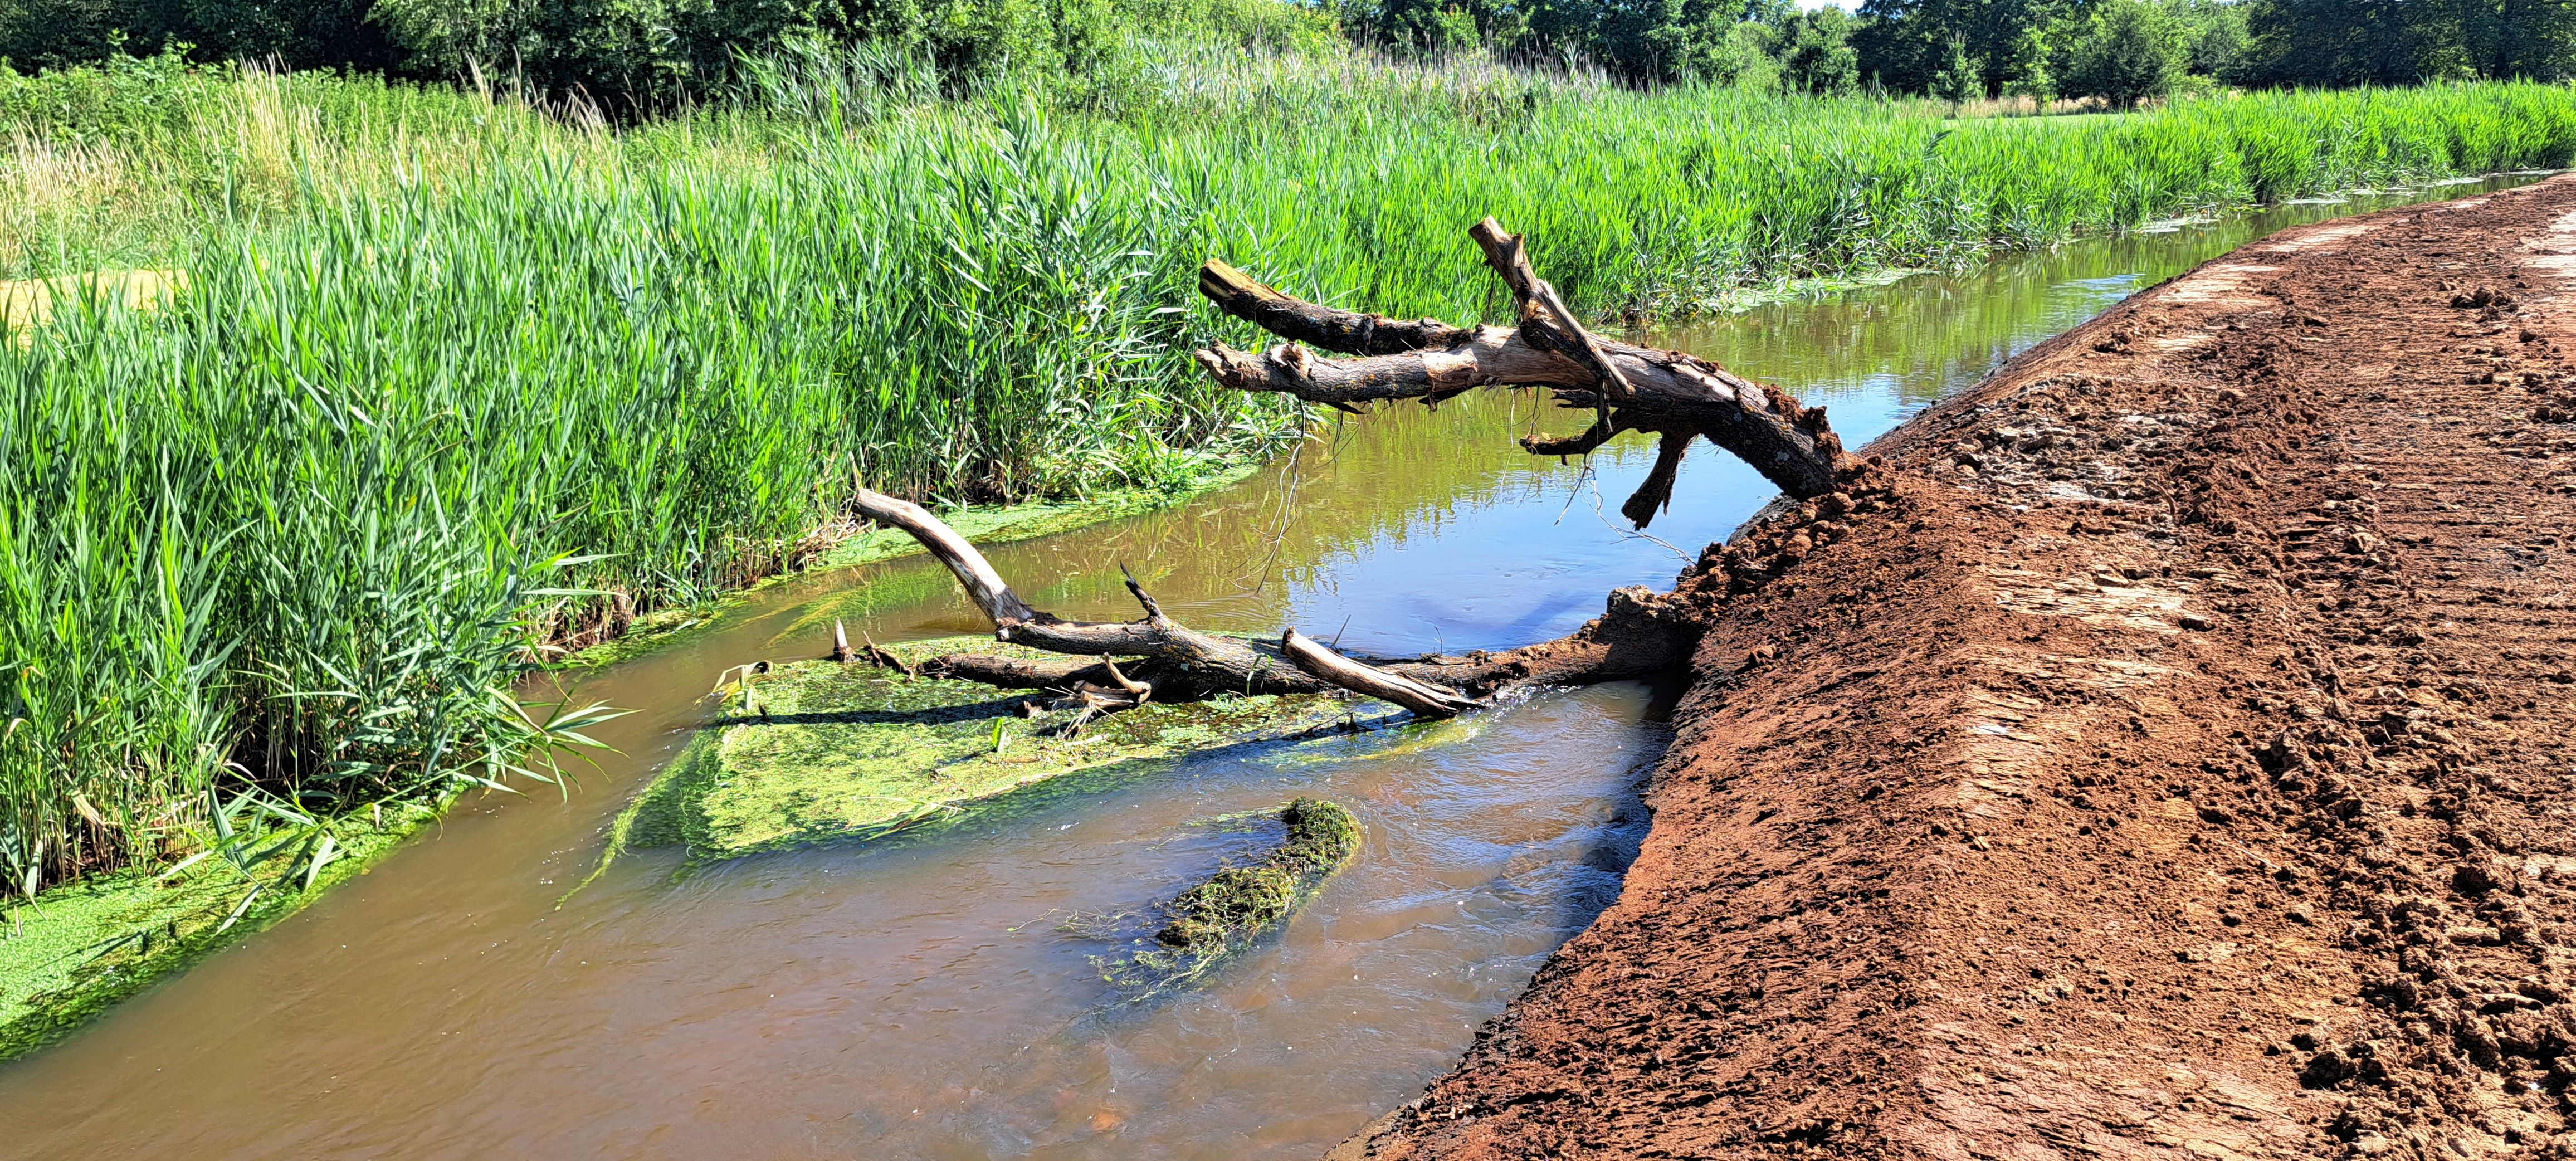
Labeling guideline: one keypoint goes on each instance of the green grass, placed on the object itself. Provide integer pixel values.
(452, 377)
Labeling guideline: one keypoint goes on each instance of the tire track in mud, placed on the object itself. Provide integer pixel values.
(2164, 750)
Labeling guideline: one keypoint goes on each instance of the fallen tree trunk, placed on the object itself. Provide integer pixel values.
(1674, 394)
(1642, 632)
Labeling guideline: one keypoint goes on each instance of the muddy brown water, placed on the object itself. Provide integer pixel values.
(925, 997)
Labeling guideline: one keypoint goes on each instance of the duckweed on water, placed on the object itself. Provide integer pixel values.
(817, 751)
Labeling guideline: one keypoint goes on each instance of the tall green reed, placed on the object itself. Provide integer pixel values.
(451, 376)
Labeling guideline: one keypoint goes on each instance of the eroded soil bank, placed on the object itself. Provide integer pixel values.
(2174, 764)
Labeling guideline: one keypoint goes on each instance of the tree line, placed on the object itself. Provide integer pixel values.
(632, 51)
(2122, 51)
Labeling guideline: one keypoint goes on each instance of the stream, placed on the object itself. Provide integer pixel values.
(924, 996)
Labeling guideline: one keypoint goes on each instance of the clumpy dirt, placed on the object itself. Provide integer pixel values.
(2163, 749)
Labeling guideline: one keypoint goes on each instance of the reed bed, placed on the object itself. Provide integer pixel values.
(453, 374)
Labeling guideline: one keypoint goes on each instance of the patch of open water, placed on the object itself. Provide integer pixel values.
(922, 997)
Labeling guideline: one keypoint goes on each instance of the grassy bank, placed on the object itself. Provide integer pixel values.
(450, 375)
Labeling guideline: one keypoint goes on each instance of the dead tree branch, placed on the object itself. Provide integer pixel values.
(1676, 395)
(1174, 663)
(1640, 633)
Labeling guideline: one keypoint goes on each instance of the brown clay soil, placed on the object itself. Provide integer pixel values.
(2165, 749)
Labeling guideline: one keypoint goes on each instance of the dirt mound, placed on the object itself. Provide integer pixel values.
(2165, 751)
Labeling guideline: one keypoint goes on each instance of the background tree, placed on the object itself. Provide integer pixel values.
(1906, 43)
(1421, 27)
(1956, 80)
(1656, 41)
(1816, 55)
(2530, 39)
(2214, 38)
(2128, 51)
(2327, 43)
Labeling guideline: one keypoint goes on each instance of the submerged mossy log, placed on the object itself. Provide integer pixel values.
(1632, 388)
(1238, 904)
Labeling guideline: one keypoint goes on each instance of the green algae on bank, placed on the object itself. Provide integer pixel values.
(816, 751)
(985, 524)
(73, 952)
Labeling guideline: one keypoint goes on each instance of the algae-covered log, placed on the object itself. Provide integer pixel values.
(1238, 904)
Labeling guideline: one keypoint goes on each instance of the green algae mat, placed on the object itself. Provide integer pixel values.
(819, 751)
(74, 951)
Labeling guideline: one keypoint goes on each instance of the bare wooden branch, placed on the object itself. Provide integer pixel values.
(1663, 391)
(1349, 332)
(1177, 663)
(1635, 635)
(1668, 391)
(983, 585)
(1604, 428)
(1559, 331)
(1656, 494)
(1006, 672)
(1333, 668)
(882, 657)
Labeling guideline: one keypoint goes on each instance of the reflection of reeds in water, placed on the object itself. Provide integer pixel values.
(1402, 473)
(1938, 331)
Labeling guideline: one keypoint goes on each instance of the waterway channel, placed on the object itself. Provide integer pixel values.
(925, 996)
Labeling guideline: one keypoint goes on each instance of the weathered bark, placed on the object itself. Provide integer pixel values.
(1428, 701)
(1640, 633)
(1175, 663)
(1635, 388)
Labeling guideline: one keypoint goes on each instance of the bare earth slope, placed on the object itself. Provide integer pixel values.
(2165, 753)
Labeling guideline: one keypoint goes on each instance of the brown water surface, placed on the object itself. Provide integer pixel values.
(925, 997)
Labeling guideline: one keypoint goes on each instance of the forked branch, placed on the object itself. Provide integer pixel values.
(1640, 633)
(1675, 394)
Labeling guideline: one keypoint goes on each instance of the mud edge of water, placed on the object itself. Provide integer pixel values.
(2173, 768)
(88, 946)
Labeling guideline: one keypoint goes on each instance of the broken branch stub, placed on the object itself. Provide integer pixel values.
(1428, 701)
(1671, 393)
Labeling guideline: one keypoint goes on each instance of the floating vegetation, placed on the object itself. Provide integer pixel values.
(1238, 904)
(817, 751)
